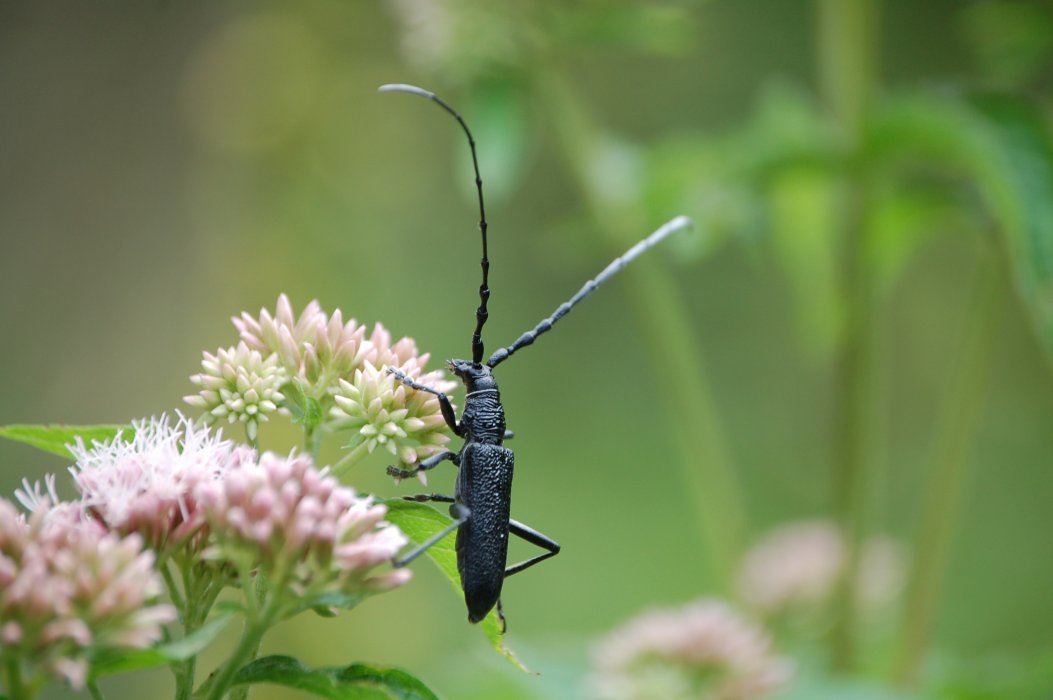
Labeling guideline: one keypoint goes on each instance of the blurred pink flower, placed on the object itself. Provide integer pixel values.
(704, 650)
(67, 586)
(798, 565)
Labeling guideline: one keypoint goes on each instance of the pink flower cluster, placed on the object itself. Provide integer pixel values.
(75, 577)
(68, 586)
(181, 485)
(703, 650)
(148, 484)
(294, 519)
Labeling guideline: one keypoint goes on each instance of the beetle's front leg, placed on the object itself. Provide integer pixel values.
(444, 402)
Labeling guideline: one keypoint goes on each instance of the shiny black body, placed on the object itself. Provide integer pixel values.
(484, 487)
(482, 498)
(481, 504)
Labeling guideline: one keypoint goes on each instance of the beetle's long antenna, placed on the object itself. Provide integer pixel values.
(484, 288)
(611, 270)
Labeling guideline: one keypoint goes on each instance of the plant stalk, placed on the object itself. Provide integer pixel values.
(659, 309)
(847, 36)
(16, 689)
(962, 406)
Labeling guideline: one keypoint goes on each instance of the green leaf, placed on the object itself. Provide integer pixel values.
(499, 120)
(325, 603)
(54, 438)
(1018, 178)
(803, 203)
(354, 682)
(419, 522)
(1004, 148)
(108, 662)
(303, 409)
(662, 29)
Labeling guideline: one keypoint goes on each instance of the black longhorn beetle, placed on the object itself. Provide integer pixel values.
(483, 491)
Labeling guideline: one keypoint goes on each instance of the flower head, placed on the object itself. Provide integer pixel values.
(798, 566)
(319, 367)
(293, 519)
(68, 586)
(147, 484)
(241, 385)
(283, 333)
(703, 650)
(379, 411)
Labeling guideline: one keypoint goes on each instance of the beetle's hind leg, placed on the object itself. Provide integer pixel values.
(460, 514)
(533, 537)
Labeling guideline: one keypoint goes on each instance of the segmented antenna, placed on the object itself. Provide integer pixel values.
(589, 287)
(481, 313)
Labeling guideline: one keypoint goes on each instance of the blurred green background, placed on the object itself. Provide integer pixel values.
(166, 165)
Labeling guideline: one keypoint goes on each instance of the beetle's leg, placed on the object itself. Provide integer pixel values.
(444, 402)
(426, 497)
(429, 463)
(533, 537)
(501, 616)
(509, 435)
(460, 514)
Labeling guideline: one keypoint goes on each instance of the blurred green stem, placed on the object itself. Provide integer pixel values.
(847, 36)
(961, 407)
(312, 440)
(263, 605)
(704, 458)
(349, 460)
(13, 679)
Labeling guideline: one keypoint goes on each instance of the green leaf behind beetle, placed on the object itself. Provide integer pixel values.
(419, 522)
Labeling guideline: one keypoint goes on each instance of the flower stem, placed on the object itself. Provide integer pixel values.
(96, 692)
(847, 39)
(261, 615)
(312, 440)
(248, 646)
(348, 460)
(704, 458)
(962, 404)
(16, 689)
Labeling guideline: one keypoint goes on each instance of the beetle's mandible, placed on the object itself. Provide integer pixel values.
(481, 503)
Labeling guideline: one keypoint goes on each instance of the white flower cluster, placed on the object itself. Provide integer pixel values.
(332, 363)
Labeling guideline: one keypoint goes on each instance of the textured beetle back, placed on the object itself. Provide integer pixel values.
(484, 485)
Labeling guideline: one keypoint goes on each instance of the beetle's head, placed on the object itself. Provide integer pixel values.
(476, 376)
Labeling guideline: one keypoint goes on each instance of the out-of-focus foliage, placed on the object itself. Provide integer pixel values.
(695, 403)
